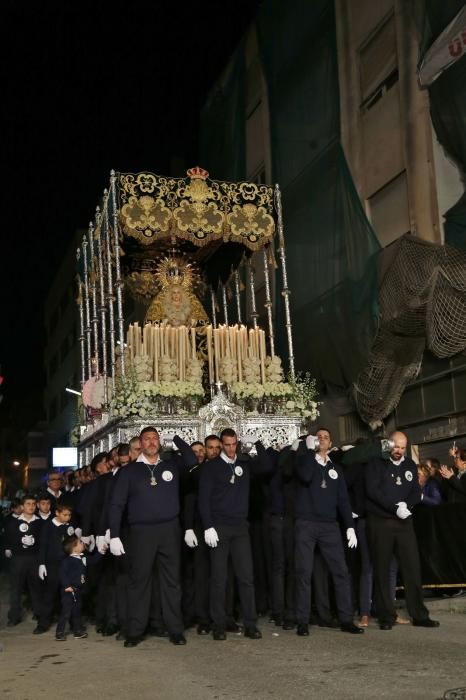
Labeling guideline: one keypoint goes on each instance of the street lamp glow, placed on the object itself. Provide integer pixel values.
(73, 391)
(16, 464)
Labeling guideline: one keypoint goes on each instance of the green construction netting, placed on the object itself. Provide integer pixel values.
(448, 107)
(331, 247)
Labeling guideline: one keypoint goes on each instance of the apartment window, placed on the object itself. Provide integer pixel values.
(378, 64)
(389, 210)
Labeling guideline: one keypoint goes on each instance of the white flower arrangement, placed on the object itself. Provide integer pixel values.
(304, 394)
(278, 389)
(273, 369)
(245, 390)
(133, 398)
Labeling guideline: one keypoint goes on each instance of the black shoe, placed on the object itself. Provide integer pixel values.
(178, 639)
(80, 634)
(120, 636)
(288, 625)
(303, 631)
(351, 628)
(203, 629)
(277, 620)
(233, 627)
(332, 624)
(132, 642)
(100, 629)
(426, 623)
(39, 630)
(252, 633)
(385, 626)
(219, 635)
(60, 637)
(110, 630)
(157, 632)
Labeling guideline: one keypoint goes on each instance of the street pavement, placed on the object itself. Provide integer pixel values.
(407, 662)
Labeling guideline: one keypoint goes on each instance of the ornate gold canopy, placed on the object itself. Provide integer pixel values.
(196, 209)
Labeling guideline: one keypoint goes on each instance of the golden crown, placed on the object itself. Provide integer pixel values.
(197, 173)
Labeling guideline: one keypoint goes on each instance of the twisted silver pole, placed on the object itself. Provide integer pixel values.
(252, 291)
(118, 279)
(225, 305)
(268, 302)
(238, 296)
(102, 307)
(94, 318)
(87, 309)
(285, 292)
(110, 297)
(82, 345)
(213, 300)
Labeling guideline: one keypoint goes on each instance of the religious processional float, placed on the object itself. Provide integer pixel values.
(177, 279)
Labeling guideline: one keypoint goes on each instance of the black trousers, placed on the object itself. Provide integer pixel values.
(327, 536)
(388, 537)
(151, 545)
(280, 531)
(234, 541)
(320, 587)
(23, 574)
(50, 589)
(70, 611)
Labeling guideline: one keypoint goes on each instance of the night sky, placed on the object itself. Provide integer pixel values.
(87, 87)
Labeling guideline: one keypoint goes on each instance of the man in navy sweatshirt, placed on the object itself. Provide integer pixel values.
(321, 497)
(149, 491)
(224, 504)
(392, 490)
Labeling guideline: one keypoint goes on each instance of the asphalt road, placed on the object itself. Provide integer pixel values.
(407, 663)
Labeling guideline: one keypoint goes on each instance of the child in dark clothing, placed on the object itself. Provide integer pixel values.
(72, 579)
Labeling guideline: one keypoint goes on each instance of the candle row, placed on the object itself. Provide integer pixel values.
(156, 341)
(236, 343)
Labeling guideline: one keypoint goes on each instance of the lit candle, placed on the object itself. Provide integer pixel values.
(193, 341)
(216, 352)
(209, 353)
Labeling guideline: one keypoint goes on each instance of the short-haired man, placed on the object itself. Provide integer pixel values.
(321, 496)
(224, 504)
(134, 448)
(148, 490)
(54, 487)
(392, 490)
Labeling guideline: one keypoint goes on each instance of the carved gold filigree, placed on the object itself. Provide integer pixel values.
(195, 208)
(141, 285)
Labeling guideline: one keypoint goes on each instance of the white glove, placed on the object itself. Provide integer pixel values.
(78, 532)
(8, 553)
(42, 572)
(387, 445)
(116, 547)
(190, 538)
(101, 544)
(90, 541)
(295, 445)
(28, 540)
(402, 511)
(346, 448)
(355, 515)
(312, 442)
(211, 537)
(351, 537)
(107, 536)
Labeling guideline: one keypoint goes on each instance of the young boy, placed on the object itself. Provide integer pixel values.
(44, 504)
(72, 579)
(51, 554)
(21, 547)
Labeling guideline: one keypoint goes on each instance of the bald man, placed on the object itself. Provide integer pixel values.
(392, 490)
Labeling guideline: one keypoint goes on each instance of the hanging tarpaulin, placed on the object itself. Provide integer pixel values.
(448, 48)
(195, 209)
